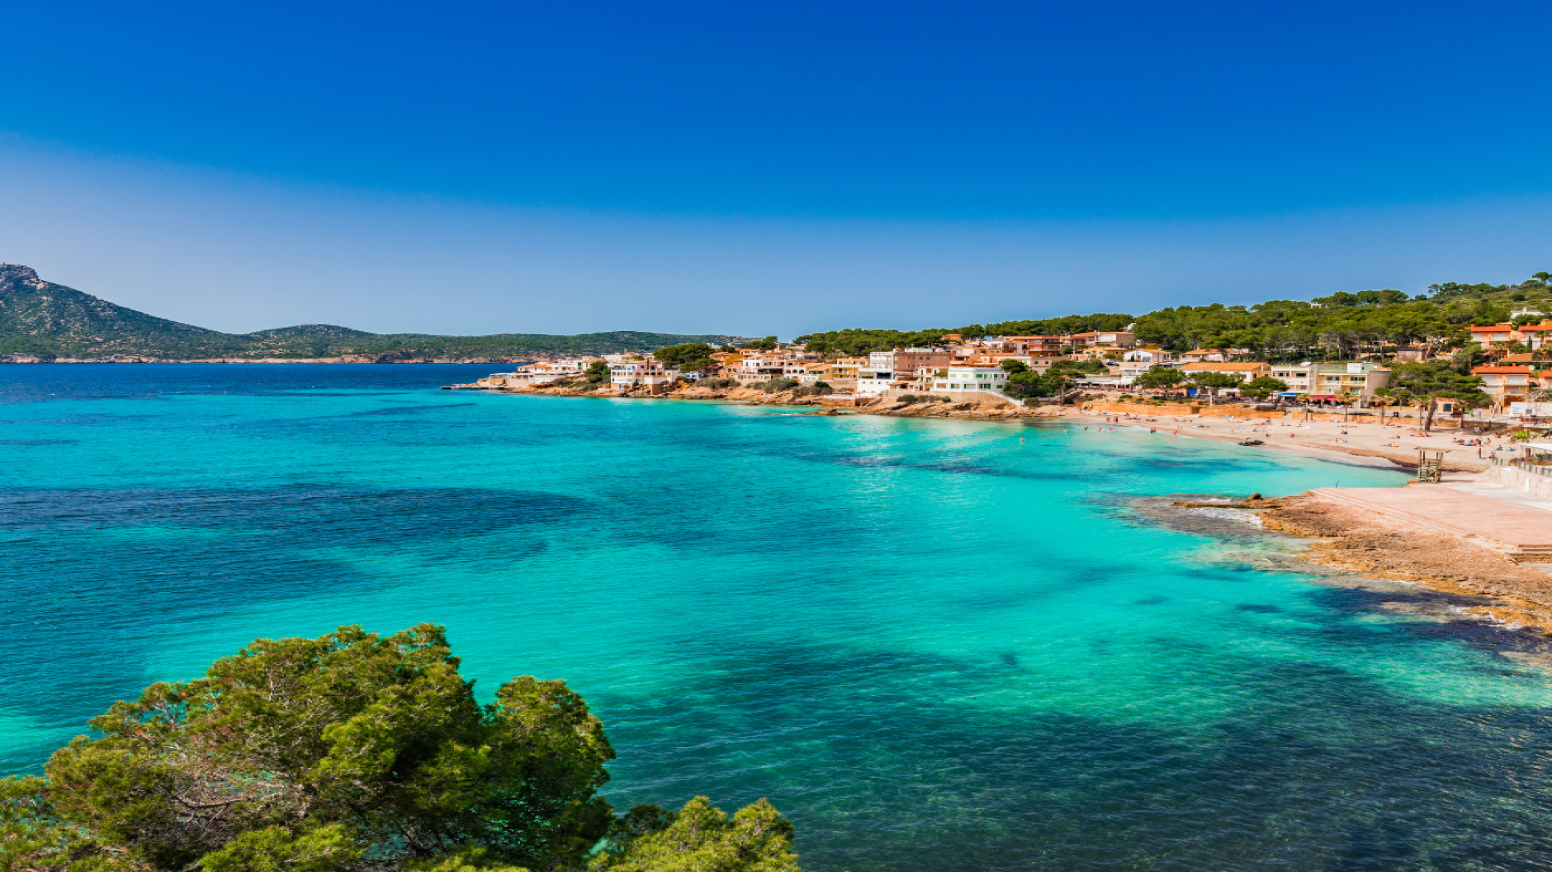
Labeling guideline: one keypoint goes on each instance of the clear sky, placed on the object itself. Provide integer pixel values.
(765, 168)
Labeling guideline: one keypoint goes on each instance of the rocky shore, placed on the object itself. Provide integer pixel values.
(922, 406)
(1481, 581)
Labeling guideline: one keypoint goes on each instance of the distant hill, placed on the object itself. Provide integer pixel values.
(41, 322)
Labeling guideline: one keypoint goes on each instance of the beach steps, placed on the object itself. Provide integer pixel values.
(1522, 532)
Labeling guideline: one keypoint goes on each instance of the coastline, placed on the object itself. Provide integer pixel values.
(1354, 442)
(1480, 581)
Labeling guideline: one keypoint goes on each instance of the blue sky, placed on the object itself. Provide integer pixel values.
(759, 168)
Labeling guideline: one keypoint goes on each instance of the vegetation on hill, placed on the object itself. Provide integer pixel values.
(1333, 327)
(354, 752)
(854, 341)
(44, 321)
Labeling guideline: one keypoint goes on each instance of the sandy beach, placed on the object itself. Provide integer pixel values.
(1390, 445)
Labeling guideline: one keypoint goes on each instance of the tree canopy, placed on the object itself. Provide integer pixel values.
(689, 357)
(1029, 384)
(1263, 386)
(1423, 384)
(355, 752)
(1331, 327)
(853, 342)
(1160, 377)
(1212, 382)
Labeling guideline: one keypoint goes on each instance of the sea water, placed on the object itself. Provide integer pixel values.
(933, 644)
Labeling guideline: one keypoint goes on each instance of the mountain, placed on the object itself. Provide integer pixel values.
(41, 321)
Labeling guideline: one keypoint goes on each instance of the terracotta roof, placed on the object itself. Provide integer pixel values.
(1500, 370)
(1537, 328)
(1494, 328)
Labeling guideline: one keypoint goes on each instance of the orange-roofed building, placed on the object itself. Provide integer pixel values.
(1247, 371)
(1494, 334)
(1198, 355)
(1505, 383)
(1537, 335)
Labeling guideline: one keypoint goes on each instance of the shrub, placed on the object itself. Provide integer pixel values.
(777, 385)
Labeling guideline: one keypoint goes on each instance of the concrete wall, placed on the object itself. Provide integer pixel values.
(1525, 482)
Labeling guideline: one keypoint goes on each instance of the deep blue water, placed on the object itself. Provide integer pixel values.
(933, 646)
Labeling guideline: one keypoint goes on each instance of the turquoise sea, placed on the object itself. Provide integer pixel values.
(931, 644)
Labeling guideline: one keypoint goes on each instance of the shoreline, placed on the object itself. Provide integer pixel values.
(1356, 443)
(1481, 582)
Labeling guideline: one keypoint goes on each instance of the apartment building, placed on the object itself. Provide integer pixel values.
(1245, 372)
(1494, 335)
(1034, 346)
(1111, 339)
(1506, 384)
(970, 378)
(1333, 380)
(641, 372)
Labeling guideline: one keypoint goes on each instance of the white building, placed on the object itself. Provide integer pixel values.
(971, 378)
(872, 381)
(642, 372)
(1151, 355)
(1300, 379)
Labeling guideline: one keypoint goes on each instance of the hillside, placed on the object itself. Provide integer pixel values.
(41, 321)
(1336, 326)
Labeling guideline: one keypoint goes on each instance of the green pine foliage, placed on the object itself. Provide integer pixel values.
(355, 752)
(1333, 327)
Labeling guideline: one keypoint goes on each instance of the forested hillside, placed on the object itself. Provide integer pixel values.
(1335, 326)
(43, 321)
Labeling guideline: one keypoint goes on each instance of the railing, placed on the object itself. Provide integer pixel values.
(1542, 469)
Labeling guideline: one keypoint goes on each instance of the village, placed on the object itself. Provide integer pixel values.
(1514, 382)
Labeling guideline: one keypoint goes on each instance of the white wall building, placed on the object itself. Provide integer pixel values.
(971, 378)
(644, 372)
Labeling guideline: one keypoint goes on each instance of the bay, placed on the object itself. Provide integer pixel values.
(931, 644)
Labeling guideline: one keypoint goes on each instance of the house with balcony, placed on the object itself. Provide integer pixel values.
(643, 372)
(1204, 355)
(1299, 378)
(1336, 381)
(970, 378)
(1506, 384)
(910, 362)
(1494, 335)
(1537, 336)
(1033, 346)
(1152, 355)
(1107, 339)
(1246, 371)
(840, 375)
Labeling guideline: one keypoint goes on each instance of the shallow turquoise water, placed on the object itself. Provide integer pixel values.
(933, 646)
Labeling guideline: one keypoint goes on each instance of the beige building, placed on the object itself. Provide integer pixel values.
(1247, 371)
